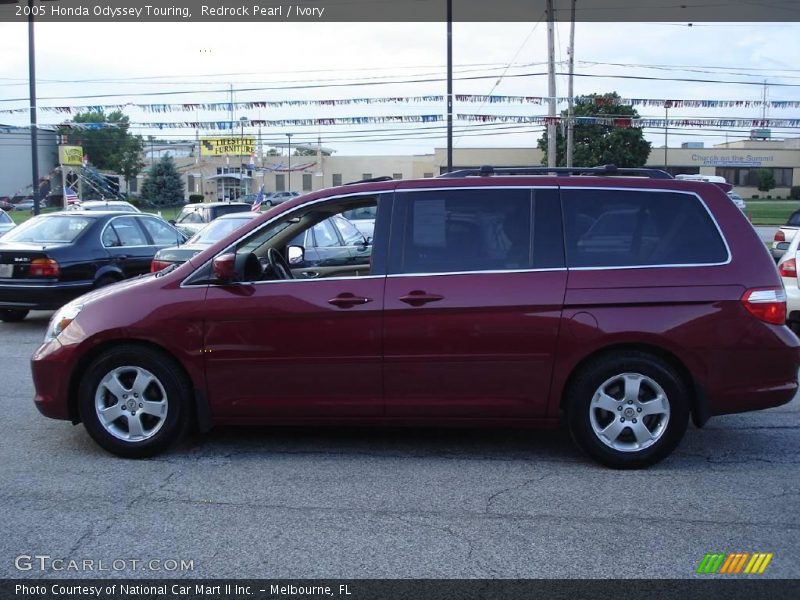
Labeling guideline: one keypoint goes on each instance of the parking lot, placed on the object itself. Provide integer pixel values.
(359, 503)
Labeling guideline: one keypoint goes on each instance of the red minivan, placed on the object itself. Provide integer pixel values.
(619, 301)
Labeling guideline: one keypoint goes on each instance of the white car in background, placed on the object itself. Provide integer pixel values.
(6, 224)
(787, 267)
(363, 218)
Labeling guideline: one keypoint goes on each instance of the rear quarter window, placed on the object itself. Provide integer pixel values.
(623, 228)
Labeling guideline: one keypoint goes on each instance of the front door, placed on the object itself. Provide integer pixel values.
(473, 302)
(295, 347)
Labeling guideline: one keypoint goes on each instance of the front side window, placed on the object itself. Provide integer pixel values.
(128, 232)
(467, 230)
(161, 233)
(621, 228)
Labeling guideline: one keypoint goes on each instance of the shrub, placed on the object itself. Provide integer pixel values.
(196, 198)
(794, 192)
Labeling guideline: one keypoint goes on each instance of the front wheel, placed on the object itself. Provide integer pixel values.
(628, 410)
(12, 315)
(134, 401)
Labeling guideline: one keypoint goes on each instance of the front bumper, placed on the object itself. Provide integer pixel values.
(50, 367)
(35, 295)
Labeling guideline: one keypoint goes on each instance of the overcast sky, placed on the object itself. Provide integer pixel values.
(160, 57)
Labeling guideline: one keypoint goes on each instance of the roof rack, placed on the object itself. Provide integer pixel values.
(371, 180)
(488, 170)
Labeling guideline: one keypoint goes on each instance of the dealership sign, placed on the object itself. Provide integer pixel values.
(732, 160)
(227, 146)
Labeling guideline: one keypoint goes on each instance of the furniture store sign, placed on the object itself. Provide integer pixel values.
(732, 160)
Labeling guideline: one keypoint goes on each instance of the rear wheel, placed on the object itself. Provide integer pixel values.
(12, 315)
(628, 410)
(105, 280)
(134, 401)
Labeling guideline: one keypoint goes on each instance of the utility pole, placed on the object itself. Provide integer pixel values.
(667, 104)
(551, 87)
(34, 126)
(571, 100)
(449, 85)
(289, 168)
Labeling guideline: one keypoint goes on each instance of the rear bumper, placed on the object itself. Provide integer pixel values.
(30, 295)
(50, 367)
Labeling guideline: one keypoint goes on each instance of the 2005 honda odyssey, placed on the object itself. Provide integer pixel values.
(620, 301)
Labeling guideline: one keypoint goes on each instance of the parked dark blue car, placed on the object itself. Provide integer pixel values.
(51, 259)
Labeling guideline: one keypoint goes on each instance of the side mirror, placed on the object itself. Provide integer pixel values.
(172, 222)
(296, 255)
(368, 240)
(224, 268)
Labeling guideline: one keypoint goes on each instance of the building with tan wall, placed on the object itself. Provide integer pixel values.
(220, 177)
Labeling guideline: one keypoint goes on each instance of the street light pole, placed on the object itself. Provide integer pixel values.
(289, 168)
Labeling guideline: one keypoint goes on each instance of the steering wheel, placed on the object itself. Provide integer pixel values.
(279, 265)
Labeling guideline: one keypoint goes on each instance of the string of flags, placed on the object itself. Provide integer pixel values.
(235, 125)
(480, 118)
(464, 98)
(631, 122)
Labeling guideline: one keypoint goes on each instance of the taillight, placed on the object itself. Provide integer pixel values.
(766, 304)
(43, 267)
(157, 265)
(788, 268)
(779, 236)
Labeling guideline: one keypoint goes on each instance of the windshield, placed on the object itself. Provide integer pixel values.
(216, 230)
(41, 230)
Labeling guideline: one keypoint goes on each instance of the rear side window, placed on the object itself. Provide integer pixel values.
(794, 219)
(484, 229)
(620, 228)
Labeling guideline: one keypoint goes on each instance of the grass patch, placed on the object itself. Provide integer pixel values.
(770, 212)
(20, 216)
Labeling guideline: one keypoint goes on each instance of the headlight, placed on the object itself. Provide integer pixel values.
(61, 320)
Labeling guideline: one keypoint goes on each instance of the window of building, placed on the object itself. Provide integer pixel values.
(681, 170)
(397, 175)
(306, 182)
(133, 185)
(280, 183)
(615, 228)
(366, 176)
(336, 179)
(426, 175)
(748, 176)
(190, 184)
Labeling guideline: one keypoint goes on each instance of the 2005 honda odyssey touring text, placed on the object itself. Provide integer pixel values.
(620, 301)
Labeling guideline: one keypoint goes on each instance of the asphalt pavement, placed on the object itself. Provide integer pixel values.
(362, 503)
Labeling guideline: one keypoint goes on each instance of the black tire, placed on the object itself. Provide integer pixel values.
(105, 280)
(171, 389)
(13, 315)
(625, 450)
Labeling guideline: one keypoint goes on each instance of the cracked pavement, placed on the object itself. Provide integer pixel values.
(358, 503)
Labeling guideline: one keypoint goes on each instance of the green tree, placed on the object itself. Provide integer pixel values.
(309, 152)
(596, 144)
(107, 142)
(765, 179)
(130, 159)
(163, 185)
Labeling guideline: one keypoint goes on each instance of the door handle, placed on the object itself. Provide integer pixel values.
(121, 257)
(348, 300)
(418, 298)
(311, 274)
